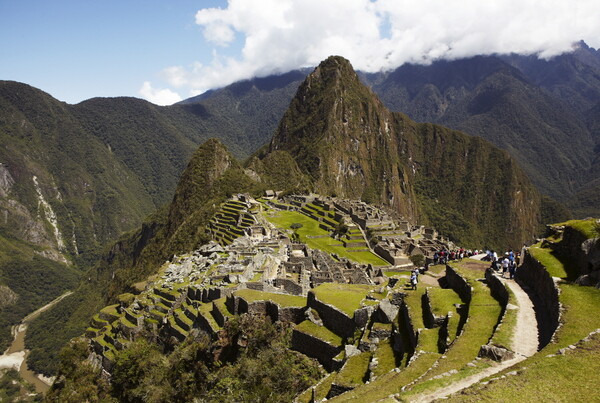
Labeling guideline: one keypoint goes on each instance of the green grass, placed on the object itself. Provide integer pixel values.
(345, 297)
(443, 301)
(391, 273)
(354, 371)
(569, 377)
(547, 258)
(320, 332)
(220, 305)
(484, 312)
(386, 358)
(413, 302)
(310, 227)
(111, 310)
(438, 269)
(504, 334)
(205, 310)
(428, 340)
(392, 382)
(585, 227)
(320, 391)
(283, 300)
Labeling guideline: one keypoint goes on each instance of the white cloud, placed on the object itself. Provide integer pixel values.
(158, 96)
(375, 35)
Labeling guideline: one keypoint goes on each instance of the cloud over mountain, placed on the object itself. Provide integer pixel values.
(276, 36)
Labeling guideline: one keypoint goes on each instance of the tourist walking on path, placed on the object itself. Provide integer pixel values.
(505, 264)
(512, 268)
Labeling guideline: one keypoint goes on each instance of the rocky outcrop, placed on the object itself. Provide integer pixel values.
(7, 296)
(495, 353)
(582, 252)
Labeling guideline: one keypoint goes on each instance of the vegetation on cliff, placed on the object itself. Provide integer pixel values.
(252, 361)
(212, 175)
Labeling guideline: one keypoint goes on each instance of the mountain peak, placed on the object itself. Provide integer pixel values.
(350, 145)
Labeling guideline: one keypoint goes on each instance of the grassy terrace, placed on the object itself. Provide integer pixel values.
(220, 305)
(345, 297)
(547, 258)
(386, 358)
(204, 310)
(437, 270)
(586, 227)
(413, 301)
(111, 311)
(484, 312)
(442, 302)
(283, 300)
(392, 382)
(310, 227)
(320, 391)
(354, 371)
(559, 377)
(320, 332)
(504, 334)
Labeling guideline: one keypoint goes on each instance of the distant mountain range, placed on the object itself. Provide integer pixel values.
(543, 112)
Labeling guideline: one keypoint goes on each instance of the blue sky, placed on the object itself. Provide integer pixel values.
(168, 50)
(80, 49)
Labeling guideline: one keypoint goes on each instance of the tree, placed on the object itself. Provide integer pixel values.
(295, 227)
(418, 260)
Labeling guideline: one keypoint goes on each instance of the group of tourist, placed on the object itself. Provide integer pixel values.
(444, 255)
(508, 264)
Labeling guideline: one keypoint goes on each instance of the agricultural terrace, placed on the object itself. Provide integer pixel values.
(318, 238)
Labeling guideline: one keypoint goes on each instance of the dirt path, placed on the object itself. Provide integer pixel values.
(525, 344)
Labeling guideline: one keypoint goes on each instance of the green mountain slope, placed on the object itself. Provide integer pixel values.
(350, 145)
(212, 175)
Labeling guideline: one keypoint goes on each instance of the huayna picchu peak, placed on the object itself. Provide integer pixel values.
(349, 144)
(358, 255)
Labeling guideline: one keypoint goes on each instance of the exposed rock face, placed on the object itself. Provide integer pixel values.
(347, 143)
(7, 296)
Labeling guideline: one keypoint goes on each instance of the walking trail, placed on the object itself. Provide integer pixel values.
(525, 344)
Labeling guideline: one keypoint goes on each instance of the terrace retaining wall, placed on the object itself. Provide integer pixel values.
(334, 319)
(458, 284)
(316, 348)
(544, 295)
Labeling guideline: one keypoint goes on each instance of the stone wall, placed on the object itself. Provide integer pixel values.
(289, 286)
(334, 319)
(585, 253)
(270, 309)
(429, 319)
(544, 295)
(203, 324)
(458, 284)
(315, 348)
(498, 290)
(412, 332)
